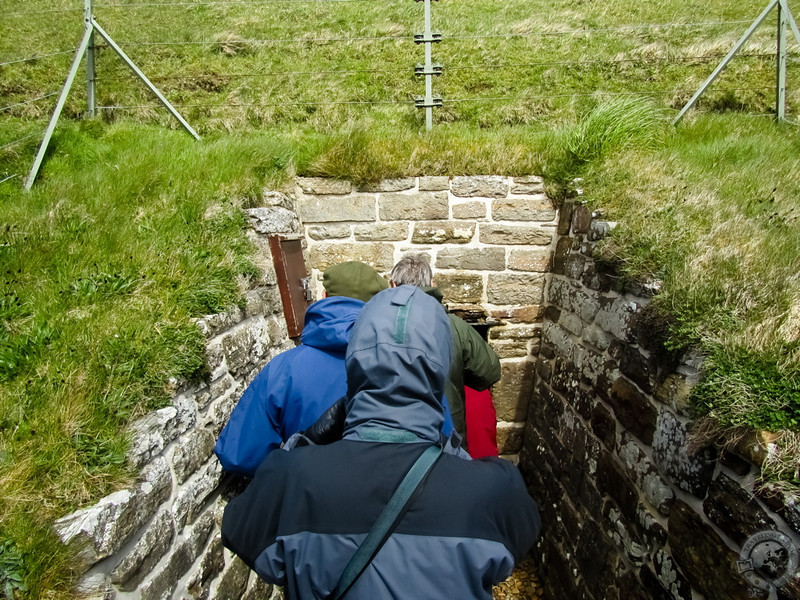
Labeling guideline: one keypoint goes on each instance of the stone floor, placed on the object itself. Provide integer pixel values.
(522, 585)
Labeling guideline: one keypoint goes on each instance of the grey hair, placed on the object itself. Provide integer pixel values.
(412, 269)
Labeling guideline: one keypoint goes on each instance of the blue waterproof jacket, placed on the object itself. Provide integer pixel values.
(293, 390)
(303, 516)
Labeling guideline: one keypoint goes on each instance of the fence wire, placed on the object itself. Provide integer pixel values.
(31, 101)
(32, 58)
(20, 140)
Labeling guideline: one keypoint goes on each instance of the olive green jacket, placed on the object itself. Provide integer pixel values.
(474, 364)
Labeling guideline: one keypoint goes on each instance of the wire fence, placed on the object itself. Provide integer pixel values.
(398, 86)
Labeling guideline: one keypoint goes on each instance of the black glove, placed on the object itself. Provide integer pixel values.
(330, 426)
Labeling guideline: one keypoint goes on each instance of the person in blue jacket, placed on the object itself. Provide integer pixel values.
(298, 385)
(306, 511)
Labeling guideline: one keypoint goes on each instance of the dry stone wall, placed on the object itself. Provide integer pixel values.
(633, 507)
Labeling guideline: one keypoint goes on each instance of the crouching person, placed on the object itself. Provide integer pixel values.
(307, 522)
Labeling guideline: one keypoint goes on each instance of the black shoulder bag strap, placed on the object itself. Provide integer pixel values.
(386, 523)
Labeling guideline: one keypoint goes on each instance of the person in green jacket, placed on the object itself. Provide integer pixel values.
(474, 363)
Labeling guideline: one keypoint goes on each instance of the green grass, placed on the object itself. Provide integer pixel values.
(133, 228)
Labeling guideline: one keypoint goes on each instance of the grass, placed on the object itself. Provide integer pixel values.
(106, 262)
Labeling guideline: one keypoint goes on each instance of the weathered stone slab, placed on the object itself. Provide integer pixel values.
(633, 409)
(324, 185)
(378, 256)
(619, 318)
(734, 510)
(191, 453)
(381, 232)
(510, 348)
(333, 209)
(192, 495)
(434, 183)
(643, 473)
(638, 368)
(472, 259)
(334, 231)
(234, 579)
(258, 589)
(706, 561)
(469, 210)
(484, 186)
(596, 337)
(147, 551)
(675, 390)
(783, 502)
(443, 232)
(515, 289)
(612, 481)
(514, 235)
(534, 208)
(574, 298)
(581, 219)
(101, 530)
(390, 185)
(151, 434)
(199, 582)
(623, 534)
(531, 184)
(519, 314)
(274, 219)
(512, 393)
(509, 437)
(532, 261)
(420, 206)
(460, 288)
(690, 470)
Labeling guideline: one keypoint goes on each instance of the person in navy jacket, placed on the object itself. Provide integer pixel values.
(298, 385)
(308, 508)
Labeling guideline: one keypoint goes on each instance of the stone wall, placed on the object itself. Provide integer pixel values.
(160, 538)
(490, 243)
(632, 505)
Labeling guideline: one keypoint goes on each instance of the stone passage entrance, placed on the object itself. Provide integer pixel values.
(489, 240)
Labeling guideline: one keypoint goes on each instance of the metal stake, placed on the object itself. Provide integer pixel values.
(428, 70)
(88, 17)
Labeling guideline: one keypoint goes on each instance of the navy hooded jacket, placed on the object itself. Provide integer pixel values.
(306, 511)
(293, 390)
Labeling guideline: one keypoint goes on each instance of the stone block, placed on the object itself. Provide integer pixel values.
(146, 552)
(198, 584)
(599, 229)
(560, 255)
(573, 298)
(418, 206)
(233, 582)
(472, 259)
(334, 231)
(272, 220)
(335, 209)
(533, 208)
(434, 183)
(443, 232)
(195, 448)
(323, 185)
(381, 232)
(784, 502)
(101, 530)
(670, 578)
(519, 314)
(258, 589)
(620, 318)
(571, 322)
(708, 564)
(191, 497)
(516, 289)
(675, 390)
(623, 535)
(484, 186)
(596, 560)
(604, 426)
(523, 235)
(531, 261)
(581, 219)
(613, 482)
(509, 437)
(513, 392)
(460, 288)
(633, 409)
(469, 210)
(531, 184)
(390, 185)
(151, 434)
(510, 348)
(689, 469)
(378, 256)
(596, 337)
(565, 216)
(644, 475)
(236, 346)
(638, 368)
(734, 510)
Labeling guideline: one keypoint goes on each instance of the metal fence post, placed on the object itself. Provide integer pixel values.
(88, 17)
(780, 87)
(429, 69)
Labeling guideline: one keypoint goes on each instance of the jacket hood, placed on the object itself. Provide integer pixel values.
(328, 323)
(397, 362)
